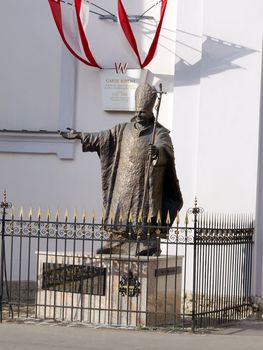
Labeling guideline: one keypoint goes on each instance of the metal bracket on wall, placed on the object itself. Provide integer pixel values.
(132, 18)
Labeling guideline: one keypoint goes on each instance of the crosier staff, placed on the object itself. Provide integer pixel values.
(149, 160)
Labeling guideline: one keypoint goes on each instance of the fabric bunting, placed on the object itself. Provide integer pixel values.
(71, 22)
(126, 27)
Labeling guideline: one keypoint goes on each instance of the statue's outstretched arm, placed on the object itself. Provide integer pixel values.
(90, 141)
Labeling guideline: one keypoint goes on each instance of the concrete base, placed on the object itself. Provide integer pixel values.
(158, 302)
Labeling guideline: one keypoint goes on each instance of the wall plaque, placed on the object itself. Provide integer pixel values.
(82, 279)
(168, 271)
(118, 87)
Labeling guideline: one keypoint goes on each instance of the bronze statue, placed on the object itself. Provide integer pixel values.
(131, 194)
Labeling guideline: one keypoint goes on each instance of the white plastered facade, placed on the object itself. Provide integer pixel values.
(209, 61)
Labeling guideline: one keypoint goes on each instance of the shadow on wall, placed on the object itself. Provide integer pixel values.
(217, 56)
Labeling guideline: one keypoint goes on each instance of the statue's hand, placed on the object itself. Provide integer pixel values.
(153, 151)
(71, 134)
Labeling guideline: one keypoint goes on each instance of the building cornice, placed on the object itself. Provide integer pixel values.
(41, 142)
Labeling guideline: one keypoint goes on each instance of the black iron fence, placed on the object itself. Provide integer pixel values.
(57, 270)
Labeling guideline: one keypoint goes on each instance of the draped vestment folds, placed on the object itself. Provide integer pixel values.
(123, 152)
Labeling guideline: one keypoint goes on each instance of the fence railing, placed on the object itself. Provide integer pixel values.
(57, 270)
(223, 269)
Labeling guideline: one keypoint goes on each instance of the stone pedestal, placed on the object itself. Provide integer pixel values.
(88, 289)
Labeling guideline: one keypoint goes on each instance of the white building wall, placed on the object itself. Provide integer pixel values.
(229, 105)
(187, 95)
(30, 59)
(217, 84)
(212, 106)
(33, 175)
(209, 61)
(258, 248)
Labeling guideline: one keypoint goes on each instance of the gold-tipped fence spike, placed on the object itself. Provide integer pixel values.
(84, 216)
(21, 213)
(186, 220)
(57, 215)
(159, 218)
(30, 214)
(168, 218)
(120, 217)
(48, 214)
(39, 214)
(111, 216)
(75, 214)
(66, 214)
(130, 217)
(12, 213)
(92, 215)
(102, 215)
(177, 219)
(149, 218)
(140, 218)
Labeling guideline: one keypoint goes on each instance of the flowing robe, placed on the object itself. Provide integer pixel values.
(123, 152)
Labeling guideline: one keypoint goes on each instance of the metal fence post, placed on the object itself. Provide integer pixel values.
(195, 211)
(194, 273)
(2, 256)
(4, 205)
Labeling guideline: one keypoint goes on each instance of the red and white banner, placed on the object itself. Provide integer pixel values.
(71, 22)
(126, 27)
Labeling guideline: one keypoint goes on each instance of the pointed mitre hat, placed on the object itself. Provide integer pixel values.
(145, 97)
